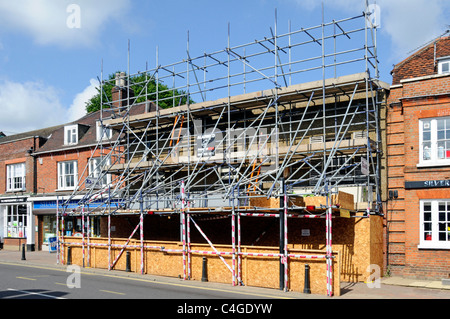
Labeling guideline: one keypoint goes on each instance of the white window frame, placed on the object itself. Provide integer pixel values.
(15, 174)
(107, 132)
(444, 66)
(95, 170)
(434, 153)
(15, 223)
(439, 221)
(63, 174)
(70, 134)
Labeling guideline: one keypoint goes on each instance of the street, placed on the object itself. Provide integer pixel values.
(40, 278)
(25, 282)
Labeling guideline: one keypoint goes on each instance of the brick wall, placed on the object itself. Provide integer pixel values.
(13, 153)
(47, 172)
(403, 214)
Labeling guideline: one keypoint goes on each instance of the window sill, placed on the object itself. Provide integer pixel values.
(65, 189)
(433, 164)
(434, 246)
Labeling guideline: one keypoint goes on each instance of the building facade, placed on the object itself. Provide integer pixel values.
(17, 185)
(42, 167)
(418, 157)
(72, 156)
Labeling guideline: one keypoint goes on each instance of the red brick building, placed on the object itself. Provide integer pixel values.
(36, 169)
(73, 153)
(418, 159)
(17, 185)
(42, 167)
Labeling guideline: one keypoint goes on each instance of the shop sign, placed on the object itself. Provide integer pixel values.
(51, 204)
(428, 184)
(13, 200)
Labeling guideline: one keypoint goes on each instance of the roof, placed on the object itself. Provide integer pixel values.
(423, 61)
(44, 133)
(88, 137)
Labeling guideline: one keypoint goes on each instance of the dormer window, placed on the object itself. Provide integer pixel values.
(444, 65)
(103, 132)
(70, 134)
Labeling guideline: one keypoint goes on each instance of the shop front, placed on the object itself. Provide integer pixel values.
(16, 223)
(44, 210)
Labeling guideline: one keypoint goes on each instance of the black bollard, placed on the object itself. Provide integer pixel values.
(23, 252)
(69, 255)
(128, 268)
(307, 289)
(204, 271)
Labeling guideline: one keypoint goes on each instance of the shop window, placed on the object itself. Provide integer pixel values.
(67, 175)
(435, 224)
(15, 180)
(434, 141)
(49, 227)
(73, 226)
(16, 221)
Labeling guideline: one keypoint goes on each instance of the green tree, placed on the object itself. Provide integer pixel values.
(144, 89)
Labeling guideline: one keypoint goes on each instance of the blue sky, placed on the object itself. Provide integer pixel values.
(48, 69)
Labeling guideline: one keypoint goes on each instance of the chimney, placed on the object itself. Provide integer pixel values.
(120, 91)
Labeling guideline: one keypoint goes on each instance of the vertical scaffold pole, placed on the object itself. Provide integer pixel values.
(62, 239)
(142, 242)
(328, 246)
(88, 234)
(188, 243)
(183, 225)
(141, 226)
(239, 249)
(281, 240)
(57, 229)
(82, 234)
(285, 238)
(109, 241)
(238, 216)
(233, 243)
(109, 229)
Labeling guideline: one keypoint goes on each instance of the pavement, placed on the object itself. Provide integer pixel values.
(388, 288)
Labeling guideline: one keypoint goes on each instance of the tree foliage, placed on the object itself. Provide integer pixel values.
(144, 89)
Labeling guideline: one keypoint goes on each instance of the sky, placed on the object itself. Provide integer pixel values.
(52, 52)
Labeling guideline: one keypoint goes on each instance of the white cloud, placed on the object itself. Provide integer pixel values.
(50, 21)
(28, 106)
(78, 107)
(407, 23)
(412, 23)
(34, 105)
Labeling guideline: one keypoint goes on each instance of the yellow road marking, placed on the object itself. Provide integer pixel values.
(60, 283)
(25, 278)
(113, 292)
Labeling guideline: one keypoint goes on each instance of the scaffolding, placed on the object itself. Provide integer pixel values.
(258, 129)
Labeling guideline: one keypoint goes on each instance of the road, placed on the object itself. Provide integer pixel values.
(25, 282)
(176, 297)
